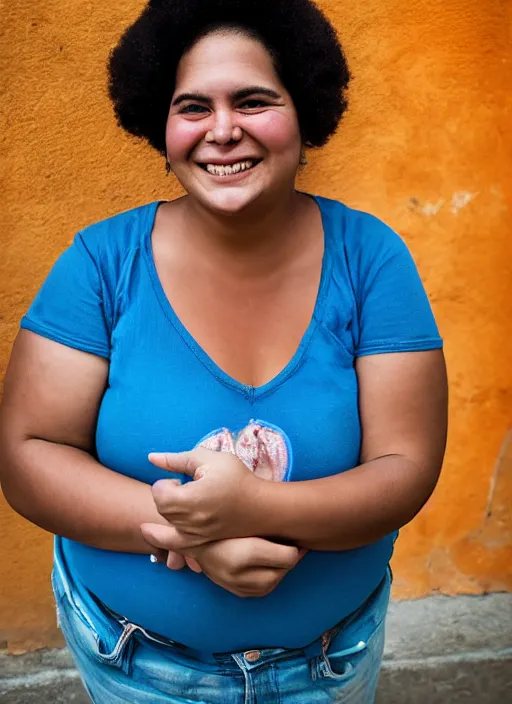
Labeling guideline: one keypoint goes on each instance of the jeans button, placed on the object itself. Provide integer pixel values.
(252, 656)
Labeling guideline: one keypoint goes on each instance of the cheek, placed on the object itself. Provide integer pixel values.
(181, 138)
(279, 133)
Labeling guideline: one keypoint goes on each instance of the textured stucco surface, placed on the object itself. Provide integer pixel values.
(426, 145)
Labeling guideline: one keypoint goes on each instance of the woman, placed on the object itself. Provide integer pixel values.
(285, 337)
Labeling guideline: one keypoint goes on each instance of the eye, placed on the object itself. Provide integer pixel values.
(253, 104)
(193, 109)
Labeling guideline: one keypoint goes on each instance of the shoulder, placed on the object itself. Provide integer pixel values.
(119, 233)
(363, 246)
(360, 234)
(111, 246)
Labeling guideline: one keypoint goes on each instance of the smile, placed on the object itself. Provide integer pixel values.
(230, 169)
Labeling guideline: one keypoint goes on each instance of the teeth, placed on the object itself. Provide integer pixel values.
(217, 170)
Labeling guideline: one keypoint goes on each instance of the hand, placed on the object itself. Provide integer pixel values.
(164, 550)
(220, 503)
(173, 560)
(242, 566)
(246, 567)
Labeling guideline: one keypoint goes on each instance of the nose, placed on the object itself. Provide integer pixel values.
(224, 129)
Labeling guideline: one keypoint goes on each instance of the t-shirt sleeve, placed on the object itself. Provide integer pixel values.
(71, 307)
(394, 311)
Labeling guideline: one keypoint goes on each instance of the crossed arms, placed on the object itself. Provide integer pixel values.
(221, 522)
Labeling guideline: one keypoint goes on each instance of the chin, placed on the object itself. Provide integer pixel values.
(230, 201)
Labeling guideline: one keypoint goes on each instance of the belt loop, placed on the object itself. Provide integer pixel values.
(313, 668)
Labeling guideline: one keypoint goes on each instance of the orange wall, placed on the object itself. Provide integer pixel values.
(427, 146)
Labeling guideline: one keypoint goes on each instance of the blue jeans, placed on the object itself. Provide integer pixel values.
(121, 663)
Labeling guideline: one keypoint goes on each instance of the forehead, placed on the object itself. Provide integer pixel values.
(224, 59)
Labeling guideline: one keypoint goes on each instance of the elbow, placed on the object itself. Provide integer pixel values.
(12, 491)
(14, 498)
(21, 502)
(14, 483)
(421, 493)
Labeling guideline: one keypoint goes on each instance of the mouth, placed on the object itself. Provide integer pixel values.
(226, 170)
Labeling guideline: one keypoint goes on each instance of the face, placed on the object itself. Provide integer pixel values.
(233, 137)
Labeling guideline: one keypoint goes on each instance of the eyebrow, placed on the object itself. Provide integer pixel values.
(237, 95)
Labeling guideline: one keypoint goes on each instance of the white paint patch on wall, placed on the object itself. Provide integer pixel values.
(426, 208)
(432, 208)
(460, 199)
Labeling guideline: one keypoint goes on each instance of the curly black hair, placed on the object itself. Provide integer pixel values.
(303, 44)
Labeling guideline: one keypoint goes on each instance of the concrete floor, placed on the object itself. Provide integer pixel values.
(439, 650)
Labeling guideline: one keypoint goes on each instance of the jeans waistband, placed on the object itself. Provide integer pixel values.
(317, 648)
(77, 592)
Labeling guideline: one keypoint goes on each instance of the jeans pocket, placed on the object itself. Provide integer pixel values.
(357, 662)
(359, 644)
(88, 628)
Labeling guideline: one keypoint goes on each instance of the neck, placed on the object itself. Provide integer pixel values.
(260, 238)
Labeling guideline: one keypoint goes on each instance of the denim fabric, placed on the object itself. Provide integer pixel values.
(121, 663)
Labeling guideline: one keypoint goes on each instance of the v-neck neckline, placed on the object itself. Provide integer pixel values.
(250, 392)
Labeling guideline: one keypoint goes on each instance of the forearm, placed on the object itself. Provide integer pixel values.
(67, 492)
(348, 510)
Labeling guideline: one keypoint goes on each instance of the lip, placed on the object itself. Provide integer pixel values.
(228, 162)
(231, 177)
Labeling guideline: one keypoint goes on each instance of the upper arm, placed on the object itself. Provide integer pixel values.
(393, 310)
(51, 392)
(403, 399)
(399, 358)
(59, 364)
(73, 306)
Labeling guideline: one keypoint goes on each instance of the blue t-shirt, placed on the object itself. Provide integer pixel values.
(164, 392)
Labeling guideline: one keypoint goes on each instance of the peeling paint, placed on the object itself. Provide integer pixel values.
(460, 200)
(426, 208)
(486, 553)
(505, 452)
(446, 576)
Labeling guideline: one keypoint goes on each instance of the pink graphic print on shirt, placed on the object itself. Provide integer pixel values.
(263, 448)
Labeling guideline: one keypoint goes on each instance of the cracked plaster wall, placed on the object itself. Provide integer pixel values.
(427, 146)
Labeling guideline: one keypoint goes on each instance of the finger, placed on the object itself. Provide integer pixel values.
(193, 564)
(171, 500)
(186, 541)
(268, 554)
(166, 495)
(175, 561)
(168, 483)
(181, 462)
(260, 582)
(170, 538)
(162, 537)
